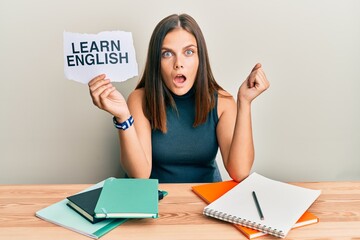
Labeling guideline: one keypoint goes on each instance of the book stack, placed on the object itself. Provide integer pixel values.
(292, 214)
(104, 206)
(118, 198)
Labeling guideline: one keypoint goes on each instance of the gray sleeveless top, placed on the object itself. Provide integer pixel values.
(184, 153)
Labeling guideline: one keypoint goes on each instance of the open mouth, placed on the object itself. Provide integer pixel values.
(179, 78)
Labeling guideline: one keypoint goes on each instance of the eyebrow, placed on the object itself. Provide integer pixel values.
(188, 46)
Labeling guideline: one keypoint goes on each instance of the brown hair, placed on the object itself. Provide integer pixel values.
(157, 95)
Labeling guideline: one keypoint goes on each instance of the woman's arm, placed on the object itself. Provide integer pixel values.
(234, 129)
(135, 142)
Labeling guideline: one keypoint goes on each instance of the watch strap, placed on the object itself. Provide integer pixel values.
(124, 125)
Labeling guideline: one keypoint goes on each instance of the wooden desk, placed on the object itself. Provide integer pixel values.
(338, 208)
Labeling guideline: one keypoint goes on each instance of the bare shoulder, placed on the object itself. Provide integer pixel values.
(135, 99)
(224, 94)
(136, 95)
(226, 103)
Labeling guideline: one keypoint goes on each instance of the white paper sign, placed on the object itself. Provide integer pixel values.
(89, 55)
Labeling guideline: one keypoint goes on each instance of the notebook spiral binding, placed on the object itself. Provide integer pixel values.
(233, 219)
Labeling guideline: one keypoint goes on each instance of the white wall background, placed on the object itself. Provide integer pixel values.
(306, 126)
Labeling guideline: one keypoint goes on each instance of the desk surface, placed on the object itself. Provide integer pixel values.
(338, 208)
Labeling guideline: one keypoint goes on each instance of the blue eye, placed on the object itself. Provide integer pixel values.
(166, 54)
(189, 52)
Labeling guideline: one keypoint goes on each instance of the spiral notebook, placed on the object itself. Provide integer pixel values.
(209, 192)
(282, 205)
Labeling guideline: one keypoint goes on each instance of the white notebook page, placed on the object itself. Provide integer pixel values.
(282, 204)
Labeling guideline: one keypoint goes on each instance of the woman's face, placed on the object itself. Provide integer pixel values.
(179, 61)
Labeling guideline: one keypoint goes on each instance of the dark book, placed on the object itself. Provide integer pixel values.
(84, 203)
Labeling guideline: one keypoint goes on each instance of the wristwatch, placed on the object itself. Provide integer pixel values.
(124, 125)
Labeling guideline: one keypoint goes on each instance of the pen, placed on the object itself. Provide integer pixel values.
(258, 205)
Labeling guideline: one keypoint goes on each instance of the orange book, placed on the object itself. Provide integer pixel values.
(209, 192)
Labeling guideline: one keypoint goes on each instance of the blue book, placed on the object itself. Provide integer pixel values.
(128, 198)
(62, 215)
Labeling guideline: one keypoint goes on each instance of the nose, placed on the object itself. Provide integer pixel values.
(178, 63)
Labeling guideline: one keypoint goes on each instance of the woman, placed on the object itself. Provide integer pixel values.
(181, 115)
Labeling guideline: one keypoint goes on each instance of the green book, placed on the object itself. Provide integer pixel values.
(62, 215)
(128, 198)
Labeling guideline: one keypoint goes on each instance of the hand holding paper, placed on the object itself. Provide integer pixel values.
(106, 97)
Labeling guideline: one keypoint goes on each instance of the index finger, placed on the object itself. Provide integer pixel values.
(95, 79)
(256, 67)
